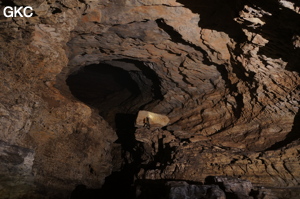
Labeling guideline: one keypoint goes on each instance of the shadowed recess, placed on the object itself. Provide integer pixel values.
(115, 87)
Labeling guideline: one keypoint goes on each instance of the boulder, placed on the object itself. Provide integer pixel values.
(232, 186)
(191, 191)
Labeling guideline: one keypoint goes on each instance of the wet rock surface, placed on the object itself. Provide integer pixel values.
(226, 74)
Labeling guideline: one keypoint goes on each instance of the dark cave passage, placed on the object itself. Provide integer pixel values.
(118, 89)
(95, 83)
(115, 88)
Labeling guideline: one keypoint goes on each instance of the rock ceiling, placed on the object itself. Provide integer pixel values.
(225, 73)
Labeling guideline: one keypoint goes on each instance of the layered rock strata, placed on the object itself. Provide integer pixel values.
(225, 73)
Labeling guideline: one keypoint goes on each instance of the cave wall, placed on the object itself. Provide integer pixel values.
(229, 80)
(67, 142)
(218, 73)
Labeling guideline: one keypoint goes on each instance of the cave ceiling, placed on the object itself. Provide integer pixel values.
(76, 73)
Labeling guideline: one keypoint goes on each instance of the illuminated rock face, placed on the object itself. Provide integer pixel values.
(226, 74)
(149, 119)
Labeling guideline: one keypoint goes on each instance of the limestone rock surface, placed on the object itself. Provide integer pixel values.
(226, 74)
(146, 118)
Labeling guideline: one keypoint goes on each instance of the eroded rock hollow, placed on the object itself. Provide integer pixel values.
(76, 73)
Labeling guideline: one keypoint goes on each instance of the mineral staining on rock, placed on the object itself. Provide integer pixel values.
(226, 74)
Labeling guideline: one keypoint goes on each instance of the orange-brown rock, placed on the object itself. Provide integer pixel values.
(75, 75)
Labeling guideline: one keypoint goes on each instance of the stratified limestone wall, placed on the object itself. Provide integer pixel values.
(222, 80)
(228, 73)
(229, 78)
(48, 138)
(182, 156)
